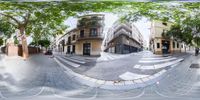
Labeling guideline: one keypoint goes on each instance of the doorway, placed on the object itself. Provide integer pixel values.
(165, 47)
(86, 48)
(73, 49)
(68, 49)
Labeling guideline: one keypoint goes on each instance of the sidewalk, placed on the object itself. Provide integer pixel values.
(120, 72)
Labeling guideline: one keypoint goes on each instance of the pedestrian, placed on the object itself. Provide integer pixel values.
(196, 51)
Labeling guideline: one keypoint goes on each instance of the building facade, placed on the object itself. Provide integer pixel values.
(160, 44)
(85, 39)
(122, 39)
(90, 34)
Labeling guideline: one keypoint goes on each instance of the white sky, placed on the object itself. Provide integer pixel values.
(142, 25)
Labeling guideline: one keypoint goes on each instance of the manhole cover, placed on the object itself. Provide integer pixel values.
(195, 66)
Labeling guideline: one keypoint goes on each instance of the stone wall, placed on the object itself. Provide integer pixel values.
(16, 50)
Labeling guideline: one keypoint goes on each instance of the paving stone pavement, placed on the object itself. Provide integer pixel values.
(143, 75)
(47, 80)
(133, 64)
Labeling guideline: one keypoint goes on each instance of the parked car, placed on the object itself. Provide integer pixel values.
(48, 52)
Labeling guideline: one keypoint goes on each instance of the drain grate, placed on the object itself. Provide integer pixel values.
(195, 66)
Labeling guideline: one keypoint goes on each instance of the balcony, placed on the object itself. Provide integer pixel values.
(68, 43)
(91, 23)
(122, 32)
(85, 37)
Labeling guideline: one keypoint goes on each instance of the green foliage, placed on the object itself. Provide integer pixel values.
(1, 41)
(188, 31)
(44, 43)
(42, 20)
(33, 44)
(6, 28)
(15, 40)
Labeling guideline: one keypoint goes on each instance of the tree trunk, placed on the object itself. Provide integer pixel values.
(37, 46)
(25, 53)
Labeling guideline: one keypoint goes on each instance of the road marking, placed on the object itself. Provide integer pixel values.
(155, 58)
(131, 76)
(156, 61)
(137, 66)
(147, 67)
(39, 92)
(132, 97)
(2, 96)
(75, 60)
(167, 64)
(140, 95)
(157, 66)
(93, 97)
(160, 94)
(68, 62)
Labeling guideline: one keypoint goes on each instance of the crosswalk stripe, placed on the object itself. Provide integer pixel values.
(147, 67)
(155, 58)
(74, 60)
(131, 76)
(81, 58)
(68, 62)
(157, 66)
(146, 55)
(167, 63)
(137, 66)
(156, 61)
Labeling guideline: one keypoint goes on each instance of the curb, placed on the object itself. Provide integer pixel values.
(115, 85)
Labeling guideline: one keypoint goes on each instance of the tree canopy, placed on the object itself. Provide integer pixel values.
(1, 41)
(48, 17)
(45, 19)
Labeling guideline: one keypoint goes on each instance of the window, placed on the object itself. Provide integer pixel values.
(63, 42)
(93, 32)
(69, 40)
(158, 45)
(173, 44)
(82, 33)
(177, 45)
(74, 37)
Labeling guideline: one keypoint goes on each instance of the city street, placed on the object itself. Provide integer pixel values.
(99, 50)
(40, 77)
(140, 64)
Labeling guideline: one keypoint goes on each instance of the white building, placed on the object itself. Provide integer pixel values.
(123, 37)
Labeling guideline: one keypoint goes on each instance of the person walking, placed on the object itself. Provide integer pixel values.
(196, 51)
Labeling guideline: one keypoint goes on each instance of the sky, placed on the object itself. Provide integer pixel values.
(143, 25)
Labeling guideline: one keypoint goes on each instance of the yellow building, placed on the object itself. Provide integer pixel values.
(86, 38)
(160, 44)
(90, 34)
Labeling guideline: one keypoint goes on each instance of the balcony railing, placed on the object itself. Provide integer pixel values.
(98, 36)
(68, 42)
(124, 32)
(90, 24)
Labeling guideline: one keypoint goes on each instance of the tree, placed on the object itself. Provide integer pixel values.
(25, 15)
(6, 28)
(44, 43)
(1, 41)
(184, 16)
(45, 18)
(188, 31)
